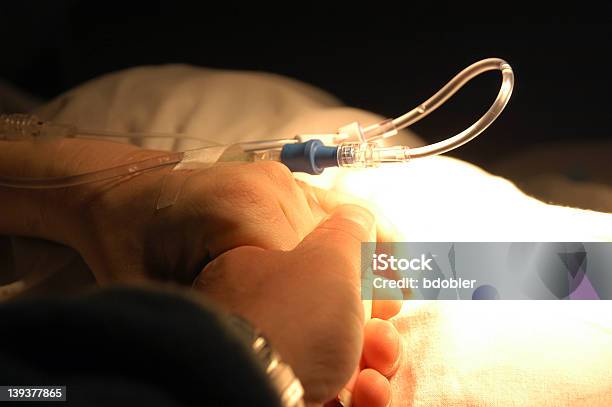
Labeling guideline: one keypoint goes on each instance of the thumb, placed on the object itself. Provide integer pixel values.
(340, 235)
(329, 199)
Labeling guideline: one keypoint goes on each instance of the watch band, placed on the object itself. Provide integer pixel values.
(283, 379)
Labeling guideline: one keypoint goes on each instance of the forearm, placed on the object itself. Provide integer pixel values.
(53, 214)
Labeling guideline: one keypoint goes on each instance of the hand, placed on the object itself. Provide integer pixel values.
(117, 229)
(307, 300)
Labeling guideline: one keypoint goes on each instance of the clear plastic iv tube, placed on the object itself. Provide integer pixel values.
(93, 176)
(23, 127)
(183, 160)
(20, 126)
(389, 128)
(362, 153)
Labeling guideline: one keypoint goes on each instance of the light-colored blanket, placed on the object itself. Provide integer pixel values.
(455, 353)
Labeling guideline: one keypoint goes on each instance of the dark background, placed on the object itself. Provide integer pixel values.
(374, 58)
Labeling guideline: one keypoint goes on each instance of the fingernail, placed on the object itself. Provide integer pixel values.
(367, 310)
(345, 398)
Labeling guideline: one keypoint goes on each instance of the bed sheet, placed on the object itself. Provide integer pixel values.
(455, 353)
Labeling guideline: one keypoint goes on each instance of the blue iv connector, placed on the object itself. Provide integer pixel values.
(311, 157)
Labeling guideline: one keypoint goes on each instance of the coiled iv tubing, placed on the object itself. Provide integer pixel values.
(312, 156)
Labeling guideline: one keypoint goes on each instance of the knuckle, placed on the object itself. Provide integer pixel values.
(244, 188)
(276, 172)
(347, 231)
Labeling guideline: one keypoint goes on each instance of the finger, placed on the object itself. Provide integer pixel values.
(317, 211)
(385, 302)
(346, 394)
(371, 390)
(328, 200)
(381, 347)
(339, 237)
(383, 291)
(290, 196)
(386, 309)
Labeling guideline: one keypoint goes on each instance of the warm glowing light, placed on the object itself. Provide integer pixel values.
(444, 199)
(460, 353)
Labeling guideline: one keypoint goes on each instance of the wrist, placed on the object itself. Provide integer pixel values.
(116, 216)
(77, 209)
(71, 215)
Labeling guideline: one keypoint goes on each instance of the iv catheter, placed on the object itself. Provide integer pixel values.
(352, 146)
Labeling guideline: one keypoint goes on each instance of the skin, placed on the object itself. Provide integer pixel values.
(313, 289)
(246, 235)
